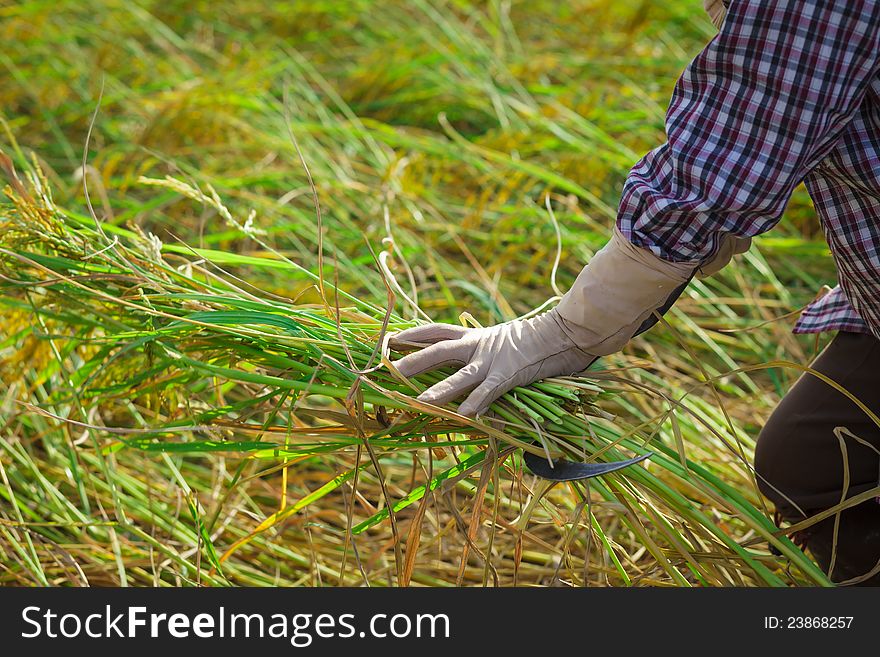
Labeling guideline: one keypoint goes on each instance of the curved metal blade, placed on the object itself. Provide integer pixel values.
(563, 470)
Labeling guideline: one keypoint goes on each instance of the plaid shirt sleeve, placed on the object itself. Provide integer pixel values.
(752, 114)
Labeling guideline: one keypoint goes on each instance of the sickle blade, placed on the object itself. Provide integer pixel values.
(563, 470)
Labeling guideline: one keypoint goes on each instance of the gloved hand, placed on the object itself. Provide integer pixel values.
(493, 360)
(611, 300)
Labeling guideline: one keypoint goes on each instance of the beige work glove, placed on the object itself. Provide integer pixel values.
(609, 302)
(730, 246)
(716, 11)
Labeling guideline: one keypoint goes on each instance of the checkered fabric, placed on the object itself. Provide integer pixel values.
(787, 92)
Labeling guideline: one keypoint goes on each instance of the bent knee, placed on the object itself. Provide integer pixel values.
(775, 468)
(799, 463)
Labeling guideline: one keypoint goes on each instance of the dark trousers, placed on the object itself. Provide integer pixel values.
(800, 461)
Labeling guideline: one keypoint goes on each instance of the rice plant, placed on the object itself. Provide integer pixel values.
(196, 388)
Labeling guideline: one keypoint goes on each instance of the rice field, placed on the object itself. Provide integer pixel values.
(215, 214)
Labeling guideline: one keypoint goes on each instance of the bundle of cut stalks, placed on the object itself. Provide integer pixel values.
(135, 370)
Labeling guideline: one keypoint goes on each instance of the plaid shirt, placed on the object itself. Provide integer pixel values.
(787, 92)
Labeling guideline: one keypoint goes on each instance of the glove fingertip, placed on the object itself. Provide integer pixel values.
(419, 337)
(463, 409)
(470, 410)
(409, 368)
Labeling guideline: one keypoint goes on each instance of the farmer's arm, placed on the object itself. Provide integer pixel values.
(761, 105)
(756, 109)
